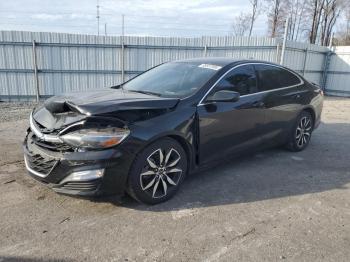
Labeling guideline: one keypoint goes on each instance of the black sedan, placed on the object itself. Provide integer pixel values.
(143, 137)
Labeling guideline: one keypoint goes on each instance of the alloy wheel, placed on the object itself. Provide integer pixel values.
(303, 131)
(161, 172)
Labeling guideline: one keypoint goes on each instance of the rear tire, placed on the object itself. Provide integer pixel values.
(300, 135)
(157, 172)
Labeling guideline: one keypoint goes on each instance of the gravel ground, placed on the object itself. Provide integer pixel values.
(15, 111)
(271, 206)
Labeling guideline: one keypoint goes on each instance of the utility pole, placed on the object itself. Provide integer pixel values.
(98, 16)
(331, 41)
(123, 27)
(105, 29)
(35, 67)
(122, 55)
(284, 40)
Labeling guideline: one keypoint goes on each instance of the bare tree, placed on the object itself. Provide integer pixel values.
(330, 13)
(315, 17)
(315, 8)
(254, 15)
(274, 17)
(347, 17)
(277, 15)
(241, 24)
(343, 34)
(324, 15)
(297, 18)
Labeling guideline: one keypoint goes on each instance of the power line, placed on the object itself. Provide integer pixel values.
(163, 17)
(148, 19)
(117, 27)
(175, 23)
(105, 14)
(133, 23)
(45, 12)
(45, 25)
(133, 31)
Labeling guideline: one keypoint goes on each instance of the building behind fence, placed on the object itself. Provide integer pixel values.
(48, 64)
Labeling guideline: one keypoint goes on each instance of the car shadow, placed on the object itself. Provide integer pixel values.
(269, 174)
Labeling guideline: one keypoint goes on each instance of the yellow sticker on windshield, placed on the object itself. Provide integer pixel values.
(212, 67)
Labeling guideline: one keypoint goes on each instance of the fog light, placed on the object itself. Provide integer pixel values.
(86, 175)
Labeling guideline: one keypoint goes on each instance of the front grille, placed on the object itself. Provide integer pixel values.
(57, 147)
(82, 185)
(46, 138)
(40, 164)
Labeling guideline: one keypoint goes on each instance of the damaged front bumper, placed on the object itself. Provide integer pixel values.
(88, 173)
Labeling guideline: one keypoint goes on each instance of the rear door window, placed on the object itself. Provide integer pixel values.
(272, 77)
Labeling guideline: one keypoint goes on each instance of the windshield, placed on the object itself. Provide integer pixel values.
(174, 79)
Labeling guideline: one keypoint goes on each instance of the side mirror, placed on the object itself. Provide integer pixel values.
(223, 96)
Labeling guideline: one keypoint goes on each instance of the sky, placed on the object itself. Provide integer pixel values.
(142, 17)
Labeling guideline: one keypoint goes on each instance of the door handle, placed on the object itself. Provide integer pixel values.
(296, 96)
(258, 104)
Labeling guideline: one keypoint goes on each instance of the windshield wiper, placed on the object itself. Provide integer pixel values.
(145, 92)
(117, 87)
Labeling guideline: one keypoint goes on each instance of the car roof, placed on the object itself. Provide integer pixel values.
(221, 61)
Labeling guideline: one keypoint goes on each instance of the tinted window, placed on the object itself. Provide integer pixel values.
(174, 79)
(241, 80)
(288, 79)
(271, 77)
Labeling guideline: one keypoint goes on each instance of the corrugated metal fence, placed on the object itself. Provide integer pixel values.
(55, 63)
(338, 71)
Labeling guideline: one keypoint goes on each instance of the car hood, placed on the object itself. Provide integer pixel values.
(65, 109)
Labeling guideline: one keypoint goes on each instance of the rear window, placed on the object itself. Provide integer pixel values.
(271, 77)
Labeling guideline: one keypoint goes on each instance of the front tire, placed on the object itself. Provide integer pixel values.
(301, 133)
(157, 172)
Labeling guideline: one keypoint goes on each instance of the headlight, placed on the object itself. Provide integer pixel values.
(96, 138)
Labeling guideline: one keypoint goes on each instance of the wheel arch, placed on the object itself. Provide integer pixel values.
(182, 140)
(312, 112)
(187, 147)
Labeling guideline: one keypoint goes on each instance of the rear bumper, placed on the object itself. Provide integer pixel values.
(317, 122)
(52, 169)
(317, 105)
